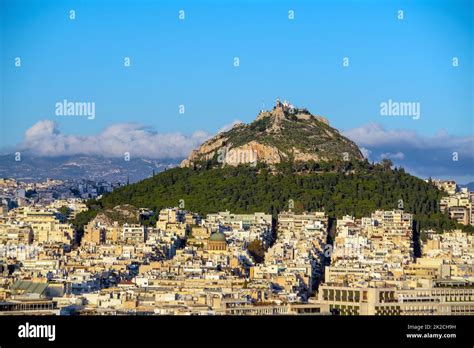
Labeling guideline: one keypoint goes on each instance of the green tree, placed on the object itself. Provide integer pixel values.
(256, 250)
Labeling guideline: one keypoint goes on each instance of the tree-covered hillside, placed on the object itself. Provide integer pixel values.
(350, 188)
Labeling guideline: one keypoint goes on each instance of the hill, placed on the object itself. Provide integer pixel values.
(298, 158)
(469, 186)
(283, 134)
(246, 189)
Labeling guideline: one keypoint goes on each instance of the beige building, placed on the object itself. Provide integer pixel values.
(133, 233)
(15, 234)
(437, 300)
(46, 227)
(460, 206)
(217, 243)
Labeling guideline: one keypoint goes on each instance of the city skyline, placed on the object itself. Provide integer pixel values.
(300, 165)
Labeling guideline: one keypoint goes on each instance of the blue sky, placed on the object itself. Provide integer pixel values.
(190, 62)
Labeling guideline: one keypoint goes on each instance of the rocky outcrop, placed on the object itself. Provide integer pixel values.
(252, 153)
(206, 151)
(283, 133)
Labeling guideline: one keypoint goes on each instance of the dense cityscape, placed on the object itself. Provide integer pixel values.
(225, 263)
(236, 173)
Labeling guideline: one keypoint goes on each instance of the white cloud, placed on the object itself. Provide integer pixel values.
(424, 155)
(45, 139)
(399, 155)
(374, 135)
(229, 126)
(365, 152)
(41, 129)
(421, 155)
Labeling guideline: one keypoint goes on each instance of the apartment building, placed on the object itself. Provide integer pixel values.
(133, 233)
(46, 227)
(459, 206)
(15, 233)
(382, 300)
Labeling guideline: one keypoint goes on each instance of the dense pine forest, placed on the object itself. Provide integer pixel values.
(355, 188)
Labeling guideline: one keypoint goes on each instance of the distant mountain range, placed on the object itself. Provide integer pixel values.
(470, 186)
(33, 168)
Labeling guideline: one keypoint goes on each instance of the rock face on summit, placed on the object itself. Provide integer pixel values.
(284, 133)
